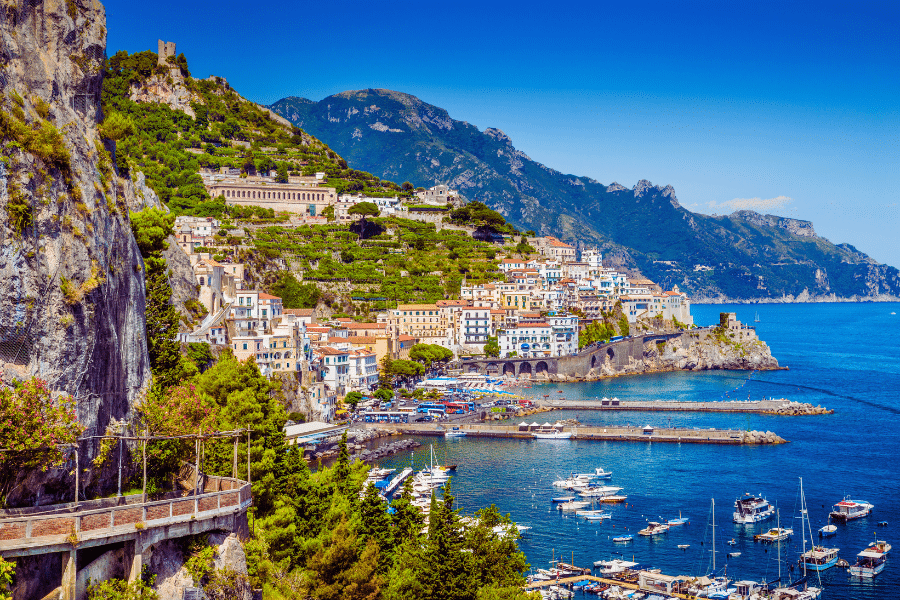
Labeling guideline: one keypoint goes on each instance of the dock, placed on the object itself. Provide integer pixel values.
(396, 481)
(609, 433)
(779, 406)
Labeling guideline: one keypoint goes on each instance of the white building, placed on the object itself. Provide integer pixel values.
(362, 371)
(527, 340)
(335, 368)
(564, 339)
(474, 326)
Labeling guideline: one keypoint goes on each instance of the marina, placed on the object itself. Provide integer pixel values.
(780, 406)
(517, 473)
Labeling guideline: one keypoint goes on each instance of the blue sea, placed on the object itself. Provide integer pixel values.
(842, 356)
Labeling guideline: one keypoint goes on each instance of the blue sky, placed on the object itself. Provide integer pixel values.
(789, 108)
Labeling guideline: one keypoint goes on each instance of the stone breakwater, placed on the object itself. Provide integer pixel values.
(760, 437)
(764, 407)
(356, 440)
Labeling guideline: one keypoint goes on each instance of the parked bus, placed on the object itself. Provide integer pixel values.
(387, 417)
(426, 406)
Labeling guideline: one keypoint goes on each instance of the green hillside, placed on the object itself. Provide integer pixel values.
(741, 256)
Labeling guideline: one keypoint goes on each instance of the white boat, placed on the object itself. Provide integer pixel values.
(683, 546)
(847, 510)
(593, 515)
(752, 509)
(597, 492)
(574, 505)
(624, 538)
(776, 534)
(576, 481)
(734, 554)
(879, 546)
(563, 499)
(556, 435)
(598, 473)
(868, 564)
(455, 432)
(828, 530)
(654, 528)
(819, 558)
(611, 567)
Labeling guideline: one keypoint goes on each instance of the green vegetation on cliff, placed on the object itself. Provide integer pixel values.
(170, 146)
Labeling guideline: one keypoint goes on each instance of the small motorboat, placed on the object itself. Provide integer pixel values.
(828, 530)
(882, 523)
(679, 521)
(593, 515)
(732, 542)
(684, 546)
(654, 528)
(574, 505)
(612, 499)
(611, 567)
(563, 498)
(776, 534)
(624, 538)
(734, 554)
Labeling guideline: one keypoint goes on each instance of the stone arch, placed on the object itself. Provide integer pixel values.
(493, 368)
(473, 368)
(509, 369)
(524, 367)
(541, 367)
(593, 361)
(610, 354)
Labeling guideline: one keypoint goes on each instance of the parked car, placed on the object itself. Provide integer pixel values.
(424, 420)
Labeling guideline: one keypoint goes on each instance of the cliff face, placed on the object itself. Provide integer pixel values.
(71, 275)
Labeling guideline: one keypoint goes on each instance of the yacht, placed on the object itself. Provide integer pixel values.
(624, 538)
(752, 509)
(868, 564)
(776, 534)
(612, 567)
(593, 515)
(847, 510)
(819, 558)
(455, 432)
(574, 505)
(596, 492)
(555, 435)
(654, 528)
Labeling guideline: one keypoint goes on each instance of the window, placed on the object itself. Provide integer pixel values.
(245, 346)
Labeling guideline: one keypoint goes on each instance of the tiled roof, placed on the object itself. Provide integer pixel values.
(263, 296)
(416, 306)
(360, 339)
(521, 325)
(366, 325)
(329, 350)
(300, 312)
(406, 338)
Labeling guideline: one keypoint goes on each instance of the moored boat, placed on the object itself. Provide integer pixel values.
(879, 546)
(612, 499)
(752, 509)
(563, 499)
(679, 521)
(828, 530)
(593, 515)
(623, 538)
(848, 510)
(776, 534)
(574, 505)
(611, 567)
(455, 432)
(819, 558)
(555, 435)
(868, 564)
(654, 528)
(597, 492)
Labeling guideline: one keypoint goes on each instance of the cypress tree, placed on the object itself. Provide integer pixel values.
(407, 519)
(448, 576)
(376, 525)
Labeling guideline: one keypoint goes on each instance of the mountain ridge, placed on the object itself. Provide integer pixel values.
(745, 255)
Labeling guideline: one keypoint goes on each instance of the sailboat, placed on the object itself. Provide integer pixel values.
(718, 587)
(807, 592)
(756, 318)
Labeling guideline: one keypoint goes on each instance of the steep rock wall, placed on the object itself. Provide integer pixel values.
(71, 281)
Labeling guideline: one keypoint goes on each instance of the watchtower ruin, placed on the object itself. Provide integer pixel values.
(164, 51)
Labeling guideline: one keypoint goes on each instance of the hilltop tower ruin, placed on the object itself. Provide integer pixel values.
(164, 51)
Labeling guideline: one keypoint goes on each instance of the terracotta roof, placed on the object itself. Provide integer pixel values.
(498, 312)
(443, 303)
(329, 350)
(416, 306)
(319, 329)
(366, 325)
(263, 296)
(406, 338)
(520, 325)
(344, 320)
(360, 339)
(300, 312)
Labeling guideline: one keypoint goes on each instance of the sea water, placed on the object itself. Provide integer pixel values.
(845, 357)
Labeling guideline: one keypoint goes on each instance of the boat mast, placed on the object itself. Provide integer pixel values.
(714, 534)
(778, 517)
(803, 531)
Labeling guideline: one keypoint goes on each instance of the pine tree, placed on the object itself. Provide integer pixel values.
(376, 525)
(342, 467)
(449, 574)
(407, 519)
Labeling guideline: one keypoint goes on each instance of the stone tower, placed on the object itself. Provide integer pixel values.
(164, 51)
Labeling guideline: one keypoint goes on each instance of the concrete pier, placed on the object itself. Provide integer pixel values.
(610, 433)
(779, 406)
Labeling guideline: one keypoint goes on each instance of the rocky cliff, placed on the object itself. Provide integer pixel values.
(741, 257)
(71, 275)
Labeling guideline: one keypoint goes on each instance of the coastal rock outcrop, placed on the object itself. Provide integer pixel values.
(71, 275)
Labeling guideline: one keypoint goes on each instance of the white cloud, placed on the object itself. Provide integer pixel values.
(752, 203)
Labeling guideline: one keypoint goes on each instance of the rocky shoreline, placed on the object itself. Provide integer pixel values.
(356, 440)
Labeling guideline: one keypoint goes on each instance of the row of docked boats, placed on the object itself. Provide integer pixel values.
(751, 509)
